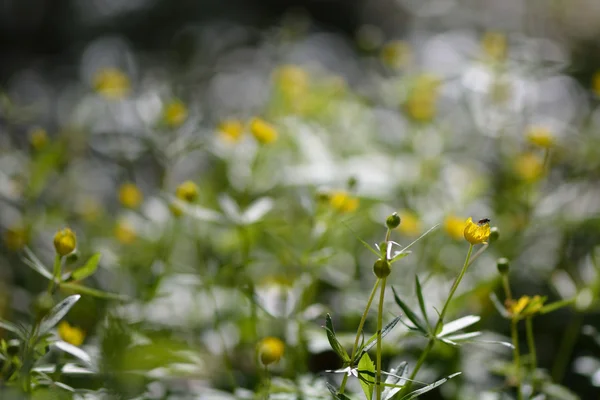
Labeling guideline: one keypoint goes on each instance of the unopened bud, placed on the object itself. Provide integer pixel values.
(494, 234)
(382, 268)
(503, 265)
(393, 221)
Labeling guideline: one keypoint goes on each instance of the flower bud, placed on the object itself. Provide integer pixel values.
(382, 268)
(187, 191)
(270, 350)
(65, 242)
(503, 265)
(393, 221)
(494, 234)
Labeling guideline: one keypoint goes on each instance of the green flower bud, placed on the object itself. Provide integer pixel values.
(65, 242)
(393, 221)
(382, 268)
(503, 265)
(494, 234)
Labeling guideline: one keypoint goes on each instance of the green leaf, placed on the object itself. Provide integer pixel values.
(74, 351)
(429, 388)
(556, 305)
(501, 309)
(9, 326)
(34, 263)
(366, 381)
(409, 313)
(92, 292)
(420, 237)
(57, 313)
(396, 378)
(362, 241)
(458, 324)
(88, 268)
(419, 291)
(335, 394)
(373, 339)
(335, 344)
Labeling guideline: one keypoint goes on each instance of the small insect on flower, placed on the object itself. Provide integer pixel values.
(483, 221)
(476, 233)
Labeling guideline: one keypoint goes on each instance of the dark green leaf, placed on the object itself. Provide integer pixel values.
(373, 339)
(429, 388)
(419, 291)
(57, 313)
(87, 269)
(335, 344)
(409, 313)
(335, 394)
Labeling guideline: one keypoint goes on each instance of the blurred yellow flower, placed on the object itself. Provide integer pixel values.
(187, 191)
(175, 113)
(540, 136)
(70, 334)
(292, 80)
(263, 131)
(38, 138)
(596, 83)
(130, 195)
(175, 209)
(528, 167)
(410, 224)
(421, 100)
(90, 209)
(16, 237)
(526, 306)
(231, 130)
(112, 83)
(476, 233)
(270, 350)
(494, 46)
(395, 54)
(454, 227)
(125, 233)
(65, 242)
(343, 202)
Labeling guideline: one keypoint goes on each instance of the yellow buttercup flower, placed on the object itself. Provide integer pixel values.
(540, 136)
(16, 237)
(528, 167)
(38, 138)
(454, 227)
(270, 350)
(175, 113)
(476, 233)
(494, 46)
(231, 130)
(65, 242)
(130, 195)
(125, 233)
(343, 202)
(187, 191)
(395, 54)
(526, 306)
(262, 131)
(70, 334)
(421, 102)
(410, 224)
(111, 83)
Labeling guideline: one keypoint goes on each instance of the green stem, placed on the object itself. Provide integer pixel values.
(566, 348)
(516, 356)
(359, 331)
(55, 273)
(438, 325)
(531, 344)
(379, 327)
(507, 291)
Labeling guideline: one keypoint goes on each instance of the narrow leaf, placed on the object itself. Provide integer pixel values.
(420, 237)
(57, 313)
(463, 336)
(334, 392)
(92, 292)
(363, 242)
(499, 306)
(409, 313)
(366, 369)
(74, 351)
(556, 305)
(419, 291)
(34, 263)
(88, 268)
(373, 339)
(335, 344)
(429, 388)
(9, 326)
(458, 324)
(395, 377)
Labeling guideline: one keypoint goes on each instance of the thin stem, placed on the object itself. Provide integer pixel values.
(531, 344)
(507, 291)
(359, 331)
(55, 273)
(516, 356)
(566, 348)
(267, 383)
(379, 327)
(439, 323)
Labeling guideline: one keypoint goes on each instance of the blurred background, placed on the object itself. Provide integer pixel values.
(301, 124)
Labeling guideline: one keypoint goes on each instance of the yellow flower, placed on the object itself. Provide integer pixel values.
(343, 202)
(454, 227)
(292, 80)
(70, 334)
(270, 350)
(422, 98)
(231, 130)
(65, 242)
(395, 54)
(494, 46)
(38, 138)
(130, 196)
(476, 233)
(90, 209)
(125, 233)
(528, 167)
(410, 224)
(596, 83)
(187, 191)
(526, 306)
(111, 83)
(264, 132)
(540, 136)
(16, 237)
(175, 209)
(175, 113)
